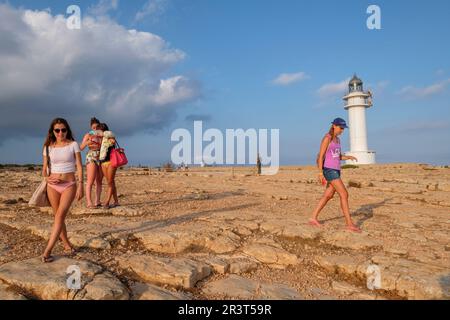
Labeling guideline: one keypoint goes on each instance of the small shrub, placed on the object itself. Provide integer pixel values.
(349, 166)
(354, 184)
(168, 167)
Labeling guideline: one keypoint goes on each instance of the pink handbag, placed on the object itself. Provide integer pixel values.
(118, 157)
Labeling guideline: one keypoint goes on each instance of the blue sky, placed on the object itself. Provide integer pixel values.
(234, 50)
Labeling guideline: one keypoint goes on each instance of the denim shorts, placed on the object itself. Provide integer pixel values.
(331, 174)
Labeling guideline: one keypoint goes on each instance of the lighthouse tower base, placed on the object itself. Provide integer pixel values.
(364, 157)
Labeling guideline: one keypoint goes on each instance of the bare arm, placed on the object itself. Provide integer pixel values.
(348, 158)
(44, 166)
(85, 142)
(79, 165)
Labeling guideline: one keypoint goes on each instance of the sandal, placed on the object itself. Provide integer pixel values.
(72, 251)
(47, 259)
(115, 205)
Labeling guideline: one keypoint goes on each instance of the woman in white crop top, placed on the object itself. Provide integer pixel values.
(62, 188)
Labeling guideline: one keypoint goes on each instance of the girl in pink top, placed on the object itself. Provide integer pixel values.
(329, 162)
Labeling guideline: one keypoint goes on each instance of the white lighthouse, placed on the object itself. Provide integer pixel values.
(356, 103)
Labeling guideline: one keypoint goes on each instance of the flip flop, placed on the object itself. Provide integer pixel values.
(47, 259)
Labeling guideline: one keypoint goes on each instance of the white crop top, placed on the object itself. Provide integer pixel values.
(62, 159)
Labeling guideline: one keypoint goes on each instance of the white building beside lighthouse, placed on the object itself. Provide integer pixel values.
(356, 102)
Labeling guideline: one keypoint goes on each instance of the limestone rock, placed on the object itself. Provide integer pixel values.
(145, 291)
(270, 255)
(235, 286)
(105, 287)
(49, 281)
(176, 272)
(6, 293)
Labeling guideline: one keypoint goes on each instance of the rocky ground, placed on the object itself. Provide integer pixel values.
(222, 233)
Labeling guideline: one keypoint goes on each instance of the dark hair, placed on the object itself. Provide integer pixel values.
(94, 120)
(331, 132)
(51, 135)
(103, 127)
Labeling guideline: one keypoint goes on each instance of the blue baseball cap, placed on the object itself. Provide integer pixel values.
(340, 122)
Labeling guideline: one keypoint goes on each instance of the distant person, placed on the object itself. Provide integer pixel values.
(94, 173)
(329, 162)
(108, 144)
(62, 188)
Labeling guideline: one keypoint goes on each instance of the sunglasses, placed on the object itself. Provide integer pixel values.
(64, 130)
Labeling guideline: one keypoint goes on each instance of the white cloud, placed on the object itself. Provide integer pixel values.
(378, 88)
(413, 92)
(333, 89)
(103, 69)
(152, 9)
(103, 7)
(286, 79)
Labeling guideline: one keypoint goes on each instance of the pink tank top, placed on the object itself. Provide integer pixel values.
(333, 156)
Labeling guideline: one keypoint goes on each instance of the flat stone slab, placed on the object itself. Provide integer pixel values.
(7, 293)
(270, 255)
(240, 263)
(105, 286)
(176, 272)
(146, 291)
(235, 286)
(182, 238)
(351, 240)
(406, 278)
(48, 281)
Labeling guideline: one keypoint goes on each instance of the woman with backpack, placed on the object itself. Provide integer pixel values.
(329, 163)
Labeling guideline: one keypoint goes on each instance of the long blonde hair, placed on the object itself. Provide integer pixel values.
(331, 132)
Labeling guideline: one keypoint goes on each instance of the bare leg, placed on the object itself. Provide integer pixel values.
(91, 169)
(116, 198)
(110, 181)
(65, 201)
(343, 194)
(110, 177)
(54, 197)
(98, 184)
(327, 196)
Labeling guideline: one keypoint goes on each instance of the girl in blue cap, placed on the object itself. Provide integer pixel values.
(329, 162)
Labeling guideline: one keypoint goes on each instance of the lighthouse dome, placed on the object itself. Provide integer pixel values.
(355, 84)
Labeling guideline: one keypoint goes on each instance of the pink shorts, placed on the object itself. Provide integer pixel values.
(62, 186)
